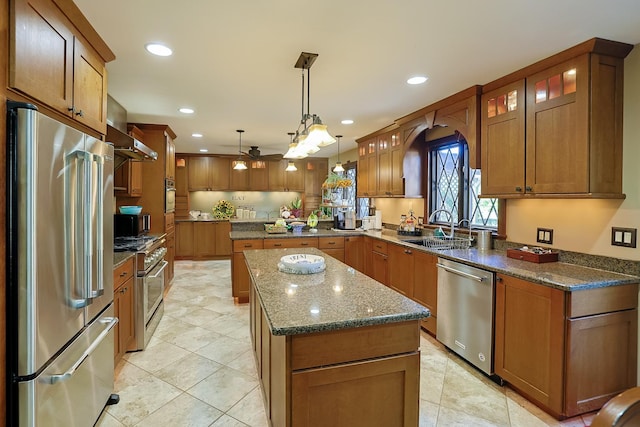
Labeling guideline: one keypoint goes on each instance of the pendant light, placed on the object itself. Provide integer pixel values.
(338, 167)
(291, 167)
(240, 164)
(312, 133)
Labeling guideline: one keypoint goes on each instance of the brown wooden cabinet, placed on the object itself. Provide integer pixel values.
(258, 175)
(184, 240)
(240, 279)
(425, 287)
(127, 179)
(316, 171)
(53, 63)
(282, 180)
(209, 173)
(123, 297)
(170, 159)
(401, 269)
(333, 246)
(379, 264)
(296, 242)
(354, 252)
(544, 343)
(572, 144)
(503, 140)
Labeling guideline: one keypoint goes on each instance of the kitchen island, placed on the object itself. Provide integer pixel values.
(333, 348)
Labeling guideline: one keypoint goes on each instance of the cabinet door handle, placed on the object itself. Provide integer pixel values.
(528, 188)
(123, 274)
(518, 189)
(408, 251)
(80, 113)
(248, 245)
(277, 244)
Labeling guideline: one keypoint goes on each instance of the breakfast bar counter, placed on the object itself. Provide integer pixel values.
(335, 347)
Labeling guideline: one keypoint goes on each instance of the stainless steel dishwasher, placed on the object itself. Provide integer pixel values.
(465, 312)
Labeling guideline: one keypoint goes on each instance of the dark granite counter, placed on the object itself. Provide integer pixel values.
(337, 298)
(559, 275)
(120, 258)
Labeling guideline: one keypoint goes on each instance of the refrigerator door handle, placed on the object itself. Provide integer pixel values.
(98, 181)
(74, 194)
(110, 322)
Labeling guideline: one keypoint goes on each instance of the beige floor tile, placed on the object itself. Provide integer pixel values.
(224, 388)
(468, 391)
(203, 317)
(224, 350)
(106, 420)
(250, 410)
(139, 400)
(245, 363)
(448, 417)
(227, 421)
(184, 411)
(428, 414)
(156, 357)
(188, 371)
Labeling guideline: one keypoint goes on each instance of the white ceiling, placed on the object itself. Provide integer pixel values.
(233, 60)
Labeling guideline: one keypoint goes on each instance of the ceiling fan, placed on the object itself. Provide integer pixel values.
(254, 154)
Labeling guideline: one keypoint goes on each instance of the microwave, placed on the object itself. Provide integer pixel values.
(131, 225)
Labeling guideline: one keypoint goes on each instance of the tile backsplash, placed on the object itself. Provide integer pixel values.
(265, 203)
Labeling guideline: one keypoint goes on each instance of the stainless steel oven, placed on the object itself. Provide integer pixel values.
(170, 196)
(149, 289)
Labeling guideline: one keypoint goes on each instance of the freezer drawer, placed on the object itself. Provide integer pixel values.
(64, 396)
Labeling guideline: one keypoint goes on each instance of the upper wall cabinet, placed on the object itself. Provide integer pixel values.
(52, 63)
(207, 173)
(564, 138)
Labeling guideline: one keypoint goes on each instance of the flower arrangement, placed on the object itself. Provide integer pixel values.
(223, 210)
(336, 181)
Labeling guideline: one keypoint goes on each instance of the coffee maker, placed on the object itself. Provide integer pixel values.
(345, 220)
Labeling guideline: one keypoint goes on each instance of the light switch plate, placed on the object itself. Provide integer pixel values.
(621, 236)
(545, 235)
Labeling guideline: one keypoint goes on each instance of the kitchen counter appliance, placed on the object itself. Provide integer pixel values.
(465, 312)
(149, 289)
(60, 314)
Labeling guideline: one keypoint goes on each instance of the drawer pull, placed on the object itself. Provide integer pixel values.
(277, 244)
(331, 243)
(123, 274)
(248, 245)
(304, 244)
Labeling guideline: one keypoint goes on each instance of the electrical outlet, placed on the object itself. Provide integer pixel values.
(623, 237)
(545, 235)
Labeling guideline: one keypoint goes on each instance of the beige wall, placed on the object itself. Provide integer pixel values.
(585, 225)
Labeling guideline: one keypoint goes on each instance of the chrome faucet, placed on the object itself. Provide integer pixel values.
(469, 224)
(433, 215)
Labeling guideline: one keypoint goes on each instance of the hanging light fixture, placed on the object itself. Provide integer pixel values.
(291, 167)
(240, 164)
(338, 167)
(312, 133)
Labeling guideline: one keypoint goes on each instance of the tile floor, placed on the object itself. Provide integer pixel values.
(198, 370)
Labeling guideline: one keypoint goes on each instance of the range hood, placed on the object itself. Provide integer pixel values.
(128, 147)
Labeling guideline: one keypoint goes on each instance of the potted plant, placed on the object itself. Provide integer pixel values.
(296, 207)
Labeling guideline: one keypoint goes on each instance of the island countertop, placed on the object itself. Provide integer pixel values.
(338, 298)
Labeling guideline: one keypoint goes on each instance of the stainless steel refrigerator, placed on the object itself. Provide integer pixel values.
(60, 315)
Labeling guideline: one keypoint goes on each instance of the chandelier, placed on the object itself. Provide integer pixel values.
(311, 133)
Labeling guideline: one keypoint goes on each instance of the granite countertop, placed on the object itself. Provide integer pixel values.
(120, 258)
(337, 298)
(559, 275)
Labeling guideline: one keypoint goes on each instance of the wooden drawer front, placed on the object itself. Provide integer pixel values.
(602, 300)
(297, 242)
(379, 246)
(123, 273)
(330, 242)
(241, 245)
(346, 345)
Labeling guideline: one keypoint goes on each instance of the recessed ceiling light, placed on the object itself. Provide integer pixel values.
(186, 110)
(417, 80)
(196, 135)
(158, 49)
(347, 122)
(204, 150)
